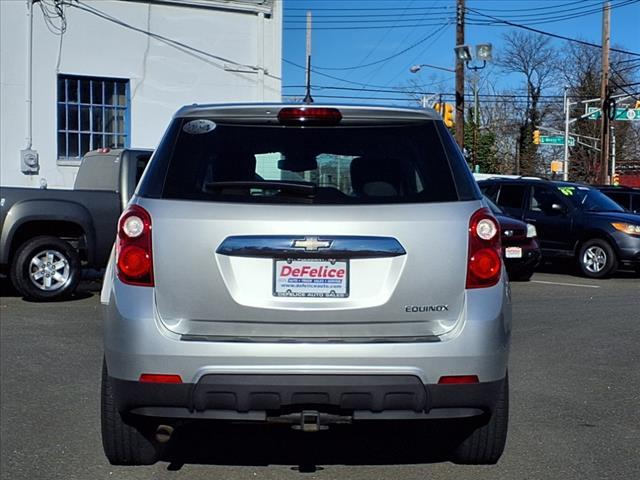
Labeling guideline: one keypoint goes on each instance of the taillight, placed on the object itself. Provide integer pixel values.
(484, 264)
(309, 116)
(133, 247)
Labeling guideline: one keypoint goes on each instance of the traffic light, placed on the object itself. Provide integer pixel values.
(448, 115)
(536, 137)
(438, 108)
(616, 179)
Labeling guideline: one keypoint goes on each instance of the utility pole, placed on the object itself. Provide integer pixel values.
(567, 108)
(307, 97)
(476, 117)
(460, 76)
(613, 152)
(604, 95)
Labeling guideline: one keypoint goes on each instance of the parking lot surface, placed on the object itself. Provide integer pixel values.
(575, 397)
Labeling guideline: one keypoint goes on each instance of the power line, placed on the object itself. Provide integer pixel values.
(554, 35)
(422, 92)
(397, 54)
(552, 17)
(374, 27)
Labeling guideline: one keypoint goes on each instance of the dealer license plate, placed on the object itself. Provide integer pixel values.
(513, 252)
(311, 278)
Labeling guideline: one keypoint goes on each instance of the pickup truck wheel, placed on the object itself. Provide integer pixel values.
(123, 441)
(597, 259)
(485, 444)
(45, 268)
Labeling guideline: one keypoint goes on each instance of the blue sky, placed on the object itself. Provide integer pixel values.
(343, 38)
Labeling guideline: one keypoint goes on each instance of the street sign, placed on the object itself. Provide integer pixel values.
(625, 114)
(556, 140)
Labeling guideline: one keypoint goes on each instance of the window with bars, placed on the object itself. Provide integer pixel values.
(93, 112)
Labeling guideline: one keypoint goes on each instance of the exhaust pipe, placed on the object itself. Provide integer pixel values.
(163, 433)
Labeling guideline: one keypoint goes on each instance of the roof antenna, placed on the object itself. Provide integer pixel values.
(307, 97)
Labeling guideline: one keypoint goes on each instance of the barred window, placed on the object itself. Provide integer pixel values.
(93, 112)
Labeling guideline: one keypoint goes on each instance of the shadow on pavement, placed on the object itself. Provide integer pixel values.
(86, 289)
(568, 267)
(392, 443)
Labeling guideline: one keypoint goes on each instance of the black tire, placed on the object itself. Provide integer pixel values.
(23, 271)
(123, 440)
(521, 275)
(605, 257)
(485, 444)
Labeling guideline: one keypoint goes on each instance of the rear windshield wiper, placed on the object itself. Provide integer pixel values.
(288, 187)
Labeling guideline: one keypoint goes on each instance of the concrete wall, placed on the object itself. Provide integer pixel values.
(162, 77)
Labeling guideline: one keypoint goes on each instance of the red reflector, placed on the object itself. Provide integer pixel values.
(134, 261)
(485, 264)
(309, 116)
(458, 379)
(160, 378)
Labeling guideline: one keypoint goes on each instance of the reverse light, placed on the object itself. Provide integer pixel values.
(133, 226)
(458, 380)
(160, 378)
(309, 116)
(134, 256)
(486, 228)
(531, 231)
(484, 264)
(628, 228)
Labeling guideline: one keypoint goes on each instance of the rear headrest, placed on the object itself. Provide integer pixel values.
(375, 177)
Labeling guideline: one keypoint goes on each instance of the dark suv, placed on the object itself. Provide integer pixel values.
(572, 220)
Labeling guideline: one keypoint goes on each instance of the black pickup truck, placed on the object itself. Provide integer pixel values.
(47, 235)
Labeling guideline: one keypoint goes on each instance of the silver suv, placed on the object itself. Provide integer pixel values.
(305, 265)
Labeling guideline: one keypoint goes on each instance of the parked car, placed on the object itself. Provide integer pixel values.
(48, 235)
(520, 249)
(573, 221)
(627, 197)
(305, 265)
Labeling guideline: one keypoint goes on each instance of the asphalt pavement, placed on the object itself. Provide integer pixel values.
(575, 401)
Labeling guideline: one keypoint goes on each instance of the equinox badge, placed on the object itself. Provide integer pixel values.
(426, 308)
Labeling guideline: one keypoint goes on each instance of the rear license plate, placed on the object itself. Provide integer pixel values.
(311, 278)
(513, 252)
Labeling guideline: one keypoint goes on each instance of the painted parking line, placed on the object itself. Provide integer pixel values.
(566, 284)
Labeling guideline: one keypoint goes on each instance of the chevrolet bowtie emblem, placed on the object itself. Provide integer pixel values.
(311, 244)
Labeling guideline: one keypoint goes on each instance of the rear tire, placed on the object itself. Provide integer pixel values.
(485, 444)
(597, 259)
(45, 268)
(122, 440)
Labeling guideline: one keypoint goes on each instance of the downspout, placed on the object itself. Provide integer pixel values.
(29, 83)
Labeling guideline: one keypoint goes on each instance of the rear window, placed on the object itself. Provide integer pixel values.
(314, 165)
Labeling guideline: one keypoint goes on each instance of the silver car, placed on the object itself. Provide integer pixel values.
(308, 265)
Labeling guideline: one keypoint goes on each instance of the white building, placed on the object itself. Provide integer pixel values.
(103, 81)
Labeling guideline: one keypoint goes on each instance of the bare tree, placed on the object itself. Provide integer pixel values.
(532, 56)
(581, 73)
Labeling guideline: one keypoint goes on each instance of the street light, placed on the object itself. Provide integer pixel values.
(463, 54)
(417, 68)
(483, 52)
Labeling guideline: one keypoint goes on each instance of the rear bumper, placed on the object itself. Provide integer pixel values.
(531, 256)
(259, 397)
(137, 342)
